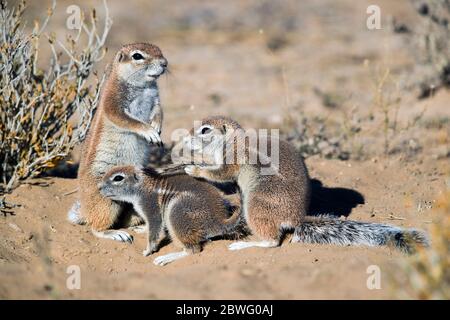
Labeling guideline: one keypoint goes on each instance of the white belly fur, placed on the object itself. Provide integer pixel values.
(122, 147)
(142, 106)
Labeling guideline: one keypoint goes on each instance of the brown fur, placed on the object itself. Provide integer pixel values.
(270, 203)
(192, 211)
(273, 204)
(113, 128)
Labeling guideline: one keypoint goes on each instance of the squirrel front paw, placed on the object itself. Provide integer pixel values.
(152, 136)
(157, 126)
(192, 170)
(151, 248)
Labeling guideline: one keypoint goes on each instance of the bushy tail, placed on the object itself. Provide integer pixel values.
(74, 215)
(328, 230)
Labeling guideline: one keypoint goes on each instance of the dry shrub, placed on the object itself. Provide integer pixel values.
(358, 134)
(36, 105)
(428, 272)
(430, 39)
(386, 105)
(313, 136)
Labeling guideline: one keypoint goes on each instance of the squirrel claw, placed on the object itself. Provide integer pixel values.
(117, 235)
(152, 137)
(170, 257)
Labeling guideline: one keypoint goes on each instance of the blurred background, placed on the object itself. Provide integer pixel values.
(259, 60)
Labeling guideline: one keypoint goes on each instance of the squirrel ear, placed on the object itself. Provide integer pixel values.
(119, 56)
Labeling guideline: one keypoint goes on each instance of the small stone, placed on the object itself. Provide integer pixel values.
(248, 272)
(48, 287)
(15, 227)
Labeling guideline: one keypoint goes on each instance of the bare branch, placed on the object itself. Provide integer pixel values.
(36, 105)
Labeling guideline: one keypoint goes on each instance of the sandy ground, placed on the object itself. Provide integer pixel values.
(221, 65)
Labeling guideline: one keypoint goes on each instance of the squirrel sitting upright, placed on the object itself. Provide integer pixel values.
(127, 121)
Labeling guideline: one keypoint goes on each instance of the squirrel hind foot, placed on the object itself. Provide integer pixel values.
(239, 245)
(117, 235)
(170, 257)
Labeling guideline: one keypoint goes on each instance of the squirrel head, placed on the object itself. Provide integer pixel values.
(139, 64)
(221, 124)
(121, 183)
(209, 141)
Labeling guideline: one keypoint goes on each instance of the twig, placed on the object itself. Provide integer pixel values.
(69, 192)
(392, 217)
(7, 207)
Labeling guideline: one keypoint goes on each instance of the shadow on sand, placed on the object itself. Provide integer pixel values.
(333, 201)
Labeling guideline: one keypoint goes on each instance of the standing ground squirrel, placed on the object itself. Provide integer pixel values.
(127, 121)
(191, 211)
(278, 202)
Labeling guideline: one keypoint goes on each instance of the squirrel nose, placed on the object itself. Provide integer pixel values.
(163, 63)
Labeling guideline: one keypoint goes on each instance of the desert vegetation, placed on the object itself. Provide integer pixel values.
(427, 274)
(429, 42)
(45, 106)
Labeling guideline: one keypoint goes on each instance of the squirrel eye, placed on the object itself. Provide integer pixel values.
(205, 130)
(118, 178)
(137, 56)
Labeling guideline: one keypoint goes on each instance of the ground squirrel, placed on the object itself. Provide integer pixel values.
(275, 203)
(191, 211)
(127, 122)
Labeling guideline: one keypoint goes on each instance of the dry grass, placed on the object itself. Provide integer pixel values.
(427, 274)
(358, 134)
